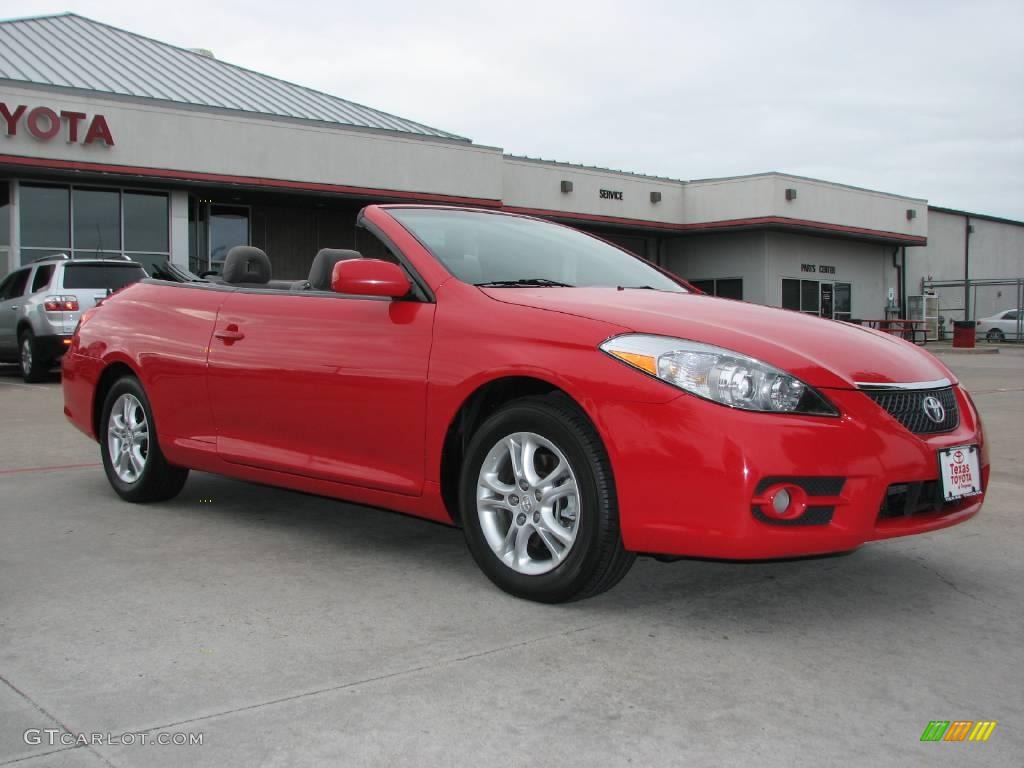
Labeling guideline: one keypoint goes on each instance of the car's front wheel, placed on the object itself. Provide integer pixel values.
(538, 503)
(135, 466)
(33, 365)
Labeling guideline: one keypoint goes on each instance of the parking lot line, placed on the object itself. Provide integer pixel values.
(49, 469)
(20, 385)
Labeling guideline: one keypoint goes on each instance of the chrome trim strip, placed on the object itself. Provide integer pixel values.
(894, 386)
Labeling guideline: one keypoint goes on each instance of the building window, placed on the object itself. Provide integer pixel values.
(45, 221)
(145, 222)
(842, 302)
(94, 221)
(801, 295)
(810, 296)
(724, 287)
(146, 236)
(97, 221)
(229, 226)
(791, 294)
(815, 297)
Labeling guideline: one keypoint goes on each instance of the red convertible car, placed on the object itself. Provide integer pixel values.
(566, 403)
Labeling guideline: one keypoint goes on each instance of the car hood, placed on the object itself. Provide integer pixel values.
(823, 353)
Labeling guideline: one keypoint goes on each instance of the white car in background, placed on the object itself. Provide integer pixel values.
(1001, 326)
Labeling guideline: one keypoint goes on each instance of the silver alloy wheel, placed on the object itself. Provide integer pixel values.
(128, 438)
(26, 356)
(528, 503)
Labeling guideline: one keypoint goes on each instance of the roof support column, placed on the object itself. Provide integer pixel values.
(179, 227)
(14, 247)
(967, 267)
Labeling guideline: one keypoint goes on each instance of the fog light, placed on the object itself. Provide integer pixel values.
(780, 502)
(785, 501)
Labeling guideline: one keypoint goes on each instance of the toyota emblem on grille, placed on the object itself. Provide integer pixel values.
(933, 409)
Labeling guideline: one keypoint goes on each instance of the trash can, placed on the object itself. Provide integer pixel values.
(963, 333)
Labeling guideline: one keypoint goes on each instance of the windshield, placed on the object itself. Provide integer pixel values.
(112, 276)
(510, 251)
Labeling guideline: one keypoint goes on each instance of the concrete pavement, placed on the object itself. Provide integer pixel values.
(293, 630)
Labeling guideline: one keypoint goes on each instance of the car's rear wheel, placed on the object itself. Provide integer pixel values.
(995, 334)
(135, 466)
(538, 503)
(33, 365)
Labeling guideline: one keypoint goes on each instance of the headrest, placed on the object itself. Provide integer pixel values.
(245, 264)
(323, 266)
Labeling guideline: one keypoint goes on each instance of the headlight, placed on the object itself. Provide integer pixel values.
(718, 374)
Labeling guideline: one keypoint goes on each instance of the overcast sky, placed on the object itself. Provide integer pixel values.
(918, 98)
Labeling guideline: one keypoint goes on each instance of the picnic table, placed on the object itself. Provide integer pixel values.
(911, 330)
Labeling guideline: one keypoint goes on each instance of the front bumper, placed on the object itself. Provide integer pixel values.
(689, 472)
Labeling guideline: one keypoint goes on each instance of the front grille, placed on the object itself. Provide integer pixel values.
(903, 500)
(909, 499)
(908, 408)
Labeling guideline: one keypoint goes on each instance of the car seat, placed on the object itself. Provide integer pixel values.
(323, 267)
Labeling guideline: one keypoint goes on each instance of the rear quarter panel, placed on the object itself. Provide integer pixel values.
(162, 332)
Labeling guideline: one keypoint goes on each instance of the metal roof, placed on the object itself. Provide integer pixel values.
(71, 51)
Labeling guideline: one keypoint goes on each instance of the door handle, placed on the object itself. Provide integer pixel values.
(230, 334)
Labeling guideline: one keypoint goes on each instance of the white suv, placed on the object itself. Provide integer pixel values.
(40, 305)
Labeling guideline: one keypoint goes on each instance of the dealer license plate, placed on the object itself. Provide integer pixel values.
(960, 471)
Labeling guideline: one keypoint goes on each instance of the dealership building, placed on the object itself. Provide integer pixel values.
(116, 143)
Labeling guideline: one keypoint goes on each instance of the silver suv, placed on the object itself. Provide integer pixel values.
(40, 305)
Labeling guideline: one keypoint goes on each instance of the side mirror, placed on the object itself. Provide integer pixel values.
(370, 277)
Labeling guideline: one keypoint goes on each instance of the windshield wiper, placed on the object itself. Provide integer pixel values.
(535, 282)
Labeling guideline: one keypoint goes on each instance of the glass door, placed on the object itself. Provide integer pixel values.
(835, 301)
(826, 305)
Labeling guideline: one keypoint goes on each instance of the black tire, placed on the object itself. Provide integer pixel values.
(31, 361)
(994, 334)
(158, 480)
(596, 560)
